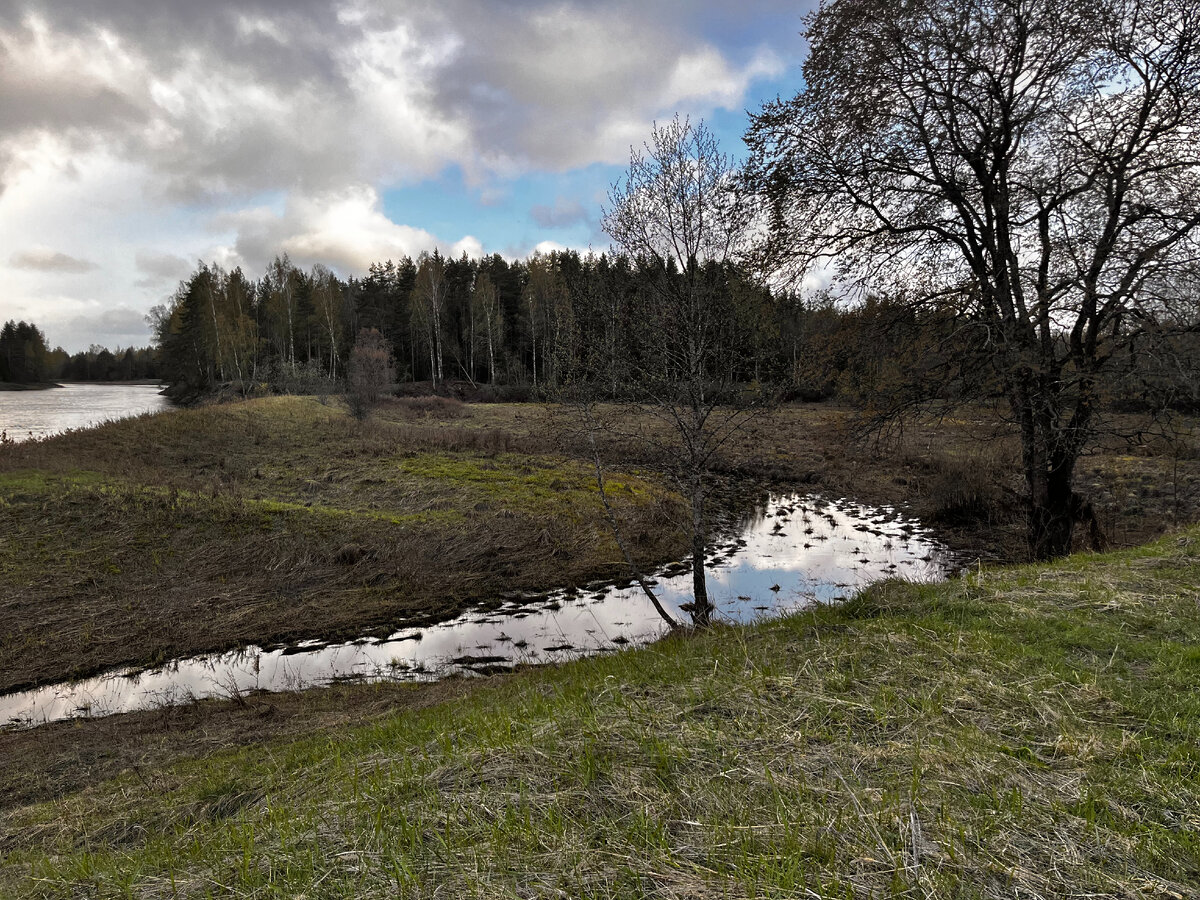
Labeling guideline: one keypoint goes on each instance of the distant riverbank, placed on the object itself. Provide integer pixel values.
(122, 381)
(38, 386)
(47, 385)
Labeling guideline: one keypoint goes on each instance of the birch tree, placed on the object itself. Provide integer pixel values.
(485, 307)
(429, 295)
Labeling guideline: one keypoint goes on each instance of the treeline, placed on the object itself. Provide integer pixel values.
(25, 358)
(101, 364)
(528, 327)
(535, 324)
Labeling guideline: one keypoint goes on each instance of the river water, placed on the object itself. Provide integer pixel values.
(792, 552)
(26, 415)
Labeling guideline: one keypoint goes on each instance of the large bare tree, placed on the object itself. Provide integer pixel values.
(1036, 162)
(676, 215)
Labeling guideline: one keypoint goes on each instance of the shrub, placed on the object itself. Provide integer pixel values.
(369, 373)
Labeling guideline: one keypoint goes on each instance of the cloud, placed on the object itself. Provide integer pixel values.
(564, 212)
(148, 136)
(120, 321)
(345, 229)
(76, 325)
(544, 247)
(112, 328)
(241, 96)
(161, 267)
(41, 259)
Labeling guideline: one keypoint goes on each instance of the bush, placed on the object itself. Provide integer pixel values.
(369, 373)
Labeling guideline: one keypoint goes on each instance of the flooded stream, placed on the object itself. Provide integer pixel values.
(791, 553)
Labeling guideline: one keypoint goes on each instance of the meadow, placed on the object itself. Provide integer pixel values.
(1021, 730)
(282, 518)
(1027, 731)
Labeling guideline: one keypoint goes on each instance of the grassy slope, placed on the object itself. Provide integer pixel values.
(1023, 732)
(282, 518)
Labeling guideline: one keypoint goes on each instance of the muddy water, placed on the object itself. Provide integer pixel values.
(25, 415)
(791, 553)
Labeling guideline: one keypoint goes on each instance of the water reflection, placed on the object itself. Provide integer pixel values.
(791, 553)
(26, 415)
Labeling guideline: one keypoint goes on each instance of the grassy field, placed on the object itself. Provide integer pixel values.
(1024, 732)
(283, 518)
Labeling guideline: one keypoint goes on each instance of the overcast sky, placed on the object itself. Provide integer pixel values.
(139, 136)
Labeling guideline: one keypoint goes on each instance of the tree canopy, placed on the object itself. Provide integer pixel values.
(1030, 165)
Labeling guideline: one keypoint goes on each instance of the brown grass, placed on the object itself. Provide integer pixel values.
(278, 519)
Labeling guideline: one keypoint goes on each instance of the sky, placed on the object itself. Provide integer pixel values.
(138, 137)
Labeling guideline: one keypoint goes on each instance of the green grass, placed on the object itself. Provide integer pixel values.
(1020, 732)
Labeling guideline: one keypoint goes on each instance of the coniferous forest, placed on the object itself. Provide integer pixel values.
(519, 329)
(25, 358)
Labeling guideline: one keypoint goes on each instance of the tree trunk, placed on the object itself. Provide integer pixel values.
(1051, 512)
(491, 354)
(1050, 448)
(701, 608)
(533, 344)
(433, 373)
(1049, 471)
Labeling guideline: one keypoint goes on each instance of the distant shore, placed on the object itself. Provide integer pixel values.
(37, 386)
(130, 381)
(47, 385)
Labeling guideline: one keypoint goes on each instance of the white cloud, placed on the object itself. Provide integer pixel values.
(262, 99)
(544, 247)
(346, 230)
(43, 259)
(138, 138)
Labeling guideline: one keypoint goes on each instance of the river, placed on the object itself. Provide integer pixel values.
(790, 553)
(28, 415)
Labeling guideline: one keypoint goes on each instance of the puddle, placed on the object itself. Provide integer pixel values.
(791, 553)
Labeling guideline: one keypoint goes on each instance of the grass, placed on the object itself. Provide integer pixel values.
(281, 518)
(1024, 732)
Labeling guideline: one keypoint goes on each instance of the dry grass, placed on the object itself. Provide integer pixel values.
(281, 518)
(1018, 733)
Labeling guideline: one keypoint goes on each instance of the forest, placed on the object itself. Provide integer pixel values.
(522, 327)
(25, 358)
(512, 329)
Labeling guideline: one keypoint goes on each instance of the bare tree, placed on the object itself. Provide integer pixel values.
(550, 318)
(485, 307)
(674, 212)
(369, 373)
(1033, 161)
(329, 303)
(283, 279)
